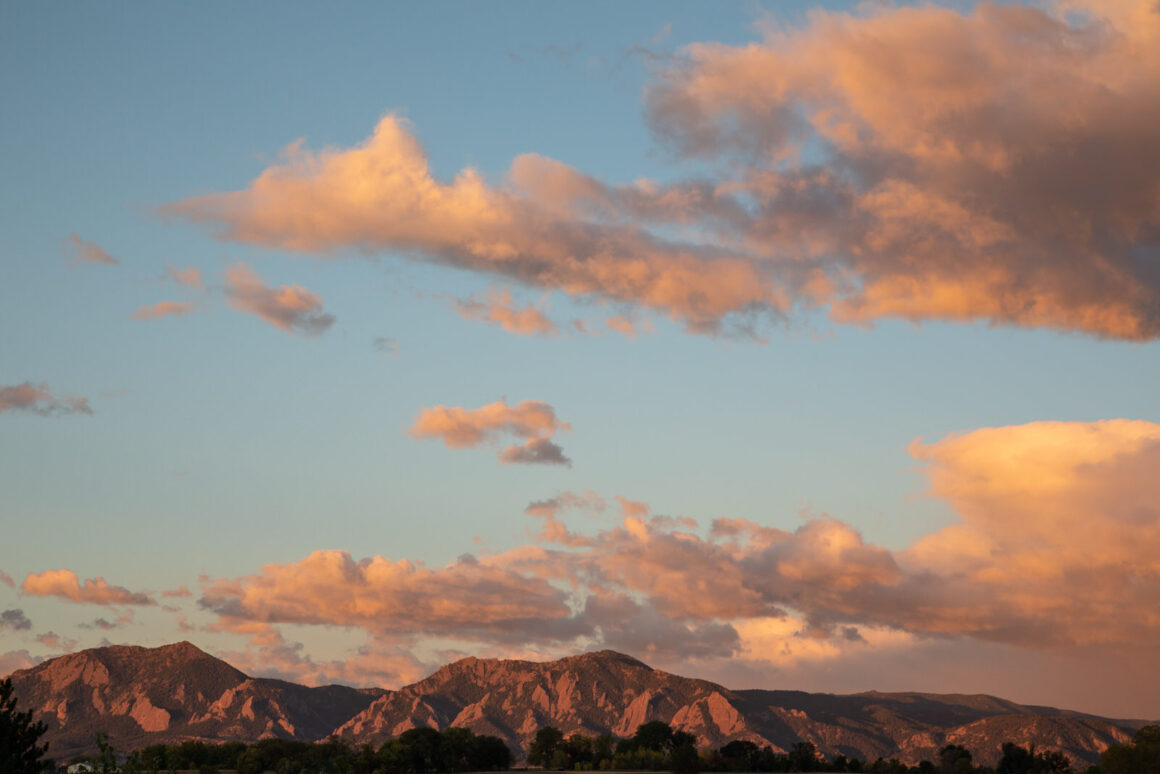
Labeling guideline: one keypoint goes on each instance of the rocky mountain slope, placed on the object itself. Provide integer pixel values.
(142, 696)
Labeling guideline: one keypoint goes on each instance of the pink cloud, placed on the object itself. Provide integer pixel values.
(996, 164)
(39, 400)
(188, 277)
(14, 660)
(466, 599)
(54, 641)
(90, 252)
(499, 308)
(290, 308)
(165, 309)
(943, 138)
(460, 428)
(94, 591)
(381, 195)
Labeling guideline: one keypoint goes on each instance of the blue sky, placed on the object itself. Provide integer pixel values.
(219, 443)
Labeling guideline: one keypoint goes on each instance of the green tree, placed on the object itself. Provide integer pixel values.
(19, 751)
(656, 735)
(544, 746)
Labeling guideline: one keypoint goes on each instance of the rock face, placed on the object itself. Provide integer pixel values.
(142, 696)
(607, 692)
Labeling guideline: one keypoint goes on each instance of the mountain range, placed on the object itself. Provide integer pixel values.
(141, 696)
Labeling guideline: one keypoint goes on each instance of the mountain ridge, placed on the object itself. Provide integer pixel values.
(140, 696)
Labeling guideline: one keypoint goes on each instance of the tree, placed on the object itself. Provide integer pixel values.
(1142, 754)
(949, 758)
(19, 751)
(544, 746)
(656, 736)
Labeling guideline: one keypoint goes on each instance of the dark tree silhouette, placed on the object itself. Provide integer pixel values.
(19, 751)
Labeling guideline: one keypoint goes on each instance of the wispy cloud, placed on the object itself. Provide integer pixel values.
(39, 399)
(165, 309)
(90, 252)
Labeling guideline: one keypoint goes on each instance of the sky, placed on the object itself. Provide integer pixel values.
(797, 345)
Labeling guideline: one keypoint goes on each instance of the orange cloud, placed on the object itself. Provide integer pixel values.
(466, 599)
(461, 428)
(90, 252)
(498, 307)
(998, 164)
(39, 400)
(1054, 551)
(54, 641)
(164, 309)
(94, 591)
(290, 308)
(381, 195)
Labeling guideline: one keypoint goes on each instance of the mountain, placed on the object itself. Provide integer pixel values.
(608, 692)
(142, 696)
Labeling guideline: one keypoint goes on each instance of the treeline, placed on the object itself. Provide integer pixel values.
(654, 747)
(417, 751)
(657, 747)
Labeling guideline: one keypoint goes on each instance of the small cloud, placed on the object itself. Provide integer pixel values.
(6, 579)
(15, 620)
(291, 308)
(165, 309)
(497, 307)
(385, 346)
(189, 277)
(54, 641)
(179, 592)
(17, 659)
(38, 399)
(535, 451)
(532, 420)
(90, 252)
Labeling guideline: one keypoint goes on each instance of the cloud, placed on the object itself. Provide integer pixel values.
(187, 277)
(291, 308)
(15, 620)
(385, 346)
(177, 593)
(549, 227)
(17, 659)
(90, 252)
(461, 428)
(105, 624)
(497, 307)
(54, 641)
(996, 164)
(38, 399)
(1052, 554)
(94, 591)
(466, 599)
(269, 654)
(165, 309)
(6, 579)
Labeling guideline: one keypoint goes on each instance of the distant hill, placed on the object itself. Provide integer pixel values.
(141, 696)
